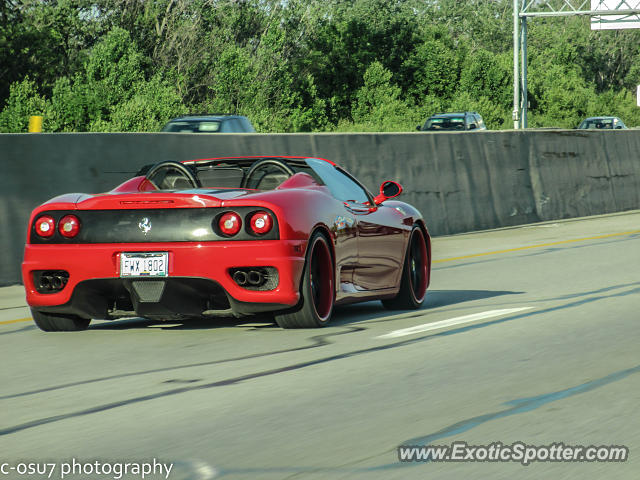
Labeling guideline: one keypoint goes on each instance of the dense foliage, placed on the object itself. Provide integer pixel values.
(300, 65)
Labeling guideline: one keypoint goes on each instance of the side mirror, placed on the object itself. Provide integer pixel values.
(388, 189)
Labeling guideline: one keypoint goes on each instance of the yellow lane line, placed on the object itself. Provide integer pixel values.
(540, 245)
(7, 322)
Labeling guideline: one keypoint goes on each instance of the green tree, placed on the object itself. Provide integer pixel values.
(149, 107)
(488, 75)
(474, 23)
(378, 105)
(24, 100)
(559, 95)
(66, 109)
(45, 39)
(349, 36)
(433, 67)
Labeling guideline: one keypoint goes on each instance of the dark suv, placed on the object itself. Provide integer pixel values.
(210, 123)
(453, 122)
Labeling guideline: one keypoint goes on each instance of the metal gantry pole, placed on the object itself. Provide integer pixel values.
(525, 9)
(524, 123)
(516, 61)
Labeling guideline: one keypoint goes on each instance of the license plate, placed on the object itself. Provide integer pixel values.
(140, 264)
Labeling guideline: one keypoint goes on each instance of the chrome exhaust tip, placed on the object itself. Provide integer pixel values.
(240, 278)
(57, 282)
(255, 278)
(45, 283)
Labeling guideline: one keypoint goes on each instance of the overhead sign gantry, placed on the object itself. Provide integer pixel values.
(605, 15)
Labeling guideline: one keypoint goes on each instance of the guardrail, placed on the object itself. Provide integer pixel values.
(460, 181)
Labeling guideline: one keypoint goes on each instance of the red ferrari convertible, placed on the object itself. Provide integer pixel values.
(293, 236)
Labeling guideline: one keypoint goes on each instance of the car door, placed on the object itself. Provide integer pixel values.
(380, 240)
(380, 246)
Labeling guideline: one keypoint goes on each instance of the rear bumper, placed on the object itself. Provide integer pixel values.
(199, 279)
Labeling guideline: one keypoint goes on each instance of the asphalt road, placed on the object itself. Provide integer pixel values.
(537, 343)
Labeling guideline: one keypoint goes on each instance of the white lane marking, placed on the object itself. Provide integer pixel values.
(193, 470)
(551, 225)
(425, 327)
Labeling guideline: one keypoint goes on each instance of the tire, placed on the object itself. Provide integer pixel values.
(55, 323)
(413, 285)
(317, 289)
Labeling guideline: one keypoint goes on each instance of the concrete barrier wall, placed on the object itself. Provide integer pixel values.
(577, 173)
(460, 181)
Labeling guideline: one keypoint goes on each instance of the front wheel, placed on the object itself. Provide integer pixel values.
(57, 323)
(415, 275)
(317, 289)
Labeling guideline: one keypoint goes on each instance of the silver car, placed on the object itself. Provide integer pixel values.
(605, 123)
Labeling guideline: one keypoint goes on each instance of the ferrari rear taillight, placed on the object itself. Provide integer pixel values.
(230, 223)
(261, 223)
(69, 226)
(45, 226)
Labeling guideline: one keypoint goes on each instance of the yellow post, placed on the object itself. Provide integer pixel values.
(35, 124)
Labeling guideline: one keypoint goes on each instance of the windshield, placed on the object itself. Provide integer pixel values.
(446, 123)
(606, 123)
(193, 126)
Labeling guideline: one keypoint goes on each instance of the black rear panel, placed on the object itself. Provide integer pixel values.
(153, 225)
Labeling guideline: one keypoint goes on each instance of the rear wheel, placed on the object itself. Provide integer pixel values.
(413, 286)
(56, 323)
(317, 289)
